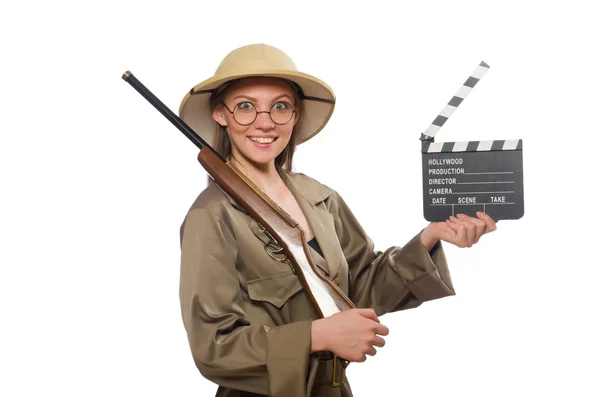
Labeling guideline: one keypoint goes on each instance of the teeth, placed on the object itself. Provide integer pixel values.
(262, 140)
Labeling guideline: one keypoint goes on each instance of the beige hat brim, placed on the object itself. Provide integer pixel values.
(195, 107)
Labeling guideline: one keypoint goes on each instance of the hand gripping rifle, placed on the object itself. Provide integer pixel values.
(287, 236)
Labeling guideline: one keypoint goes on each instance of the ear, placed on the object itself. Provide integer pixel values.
(219, 116)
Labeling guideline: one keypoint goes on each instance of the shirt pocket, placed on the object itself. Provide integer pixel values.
(275, 289)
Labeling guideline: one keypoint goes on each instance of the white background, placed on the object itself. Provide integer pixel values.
(95, 184)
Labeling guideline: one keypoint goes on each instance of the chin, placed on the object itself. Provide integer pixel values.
(262, 160)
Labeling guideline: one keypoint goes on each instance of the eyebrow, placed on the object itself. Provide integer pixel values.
(255, 100)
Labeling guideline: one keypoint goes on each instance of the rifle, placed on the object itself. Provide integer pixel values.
(287, 236)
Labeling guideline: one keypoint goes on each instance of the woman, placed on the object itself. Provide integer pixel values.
(251, 327)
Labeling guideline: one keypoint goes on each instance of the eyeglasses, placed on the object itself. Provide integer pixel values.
(245, 113)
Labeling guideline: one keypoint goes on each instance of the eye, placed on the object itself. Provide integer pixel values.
(246, 106)
(282, 106)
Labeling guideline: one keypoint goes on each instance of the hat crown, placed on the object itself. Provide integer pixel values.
(255, 58)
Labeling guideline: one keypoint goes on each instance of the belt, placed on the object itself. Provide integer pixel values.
(334, 371)
(324, 355)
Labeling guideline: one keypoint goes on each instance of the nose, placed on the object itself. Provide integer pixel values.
(263, 121)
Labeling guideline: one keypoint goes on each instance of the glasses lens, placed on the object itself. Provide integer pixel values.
(244, 113)
(282, 112)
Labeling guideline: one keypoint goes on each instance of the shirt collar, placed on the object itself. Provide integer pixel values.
(312, 191)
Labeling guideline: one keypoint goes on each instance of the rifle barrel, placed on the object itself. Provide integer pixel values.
(165, 111)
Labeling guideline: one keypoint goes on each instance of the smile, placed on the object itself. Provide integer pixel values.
(262, 140)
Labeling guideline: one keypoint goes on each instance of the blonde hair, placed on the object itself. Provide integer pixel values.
(222, 143)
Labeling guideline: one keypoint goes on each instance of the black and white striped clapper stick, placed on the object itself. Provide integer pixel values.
(466, 177)
(456, 100)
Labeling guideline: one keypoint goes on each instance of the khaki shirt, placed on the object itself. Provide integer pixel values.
(247, 317)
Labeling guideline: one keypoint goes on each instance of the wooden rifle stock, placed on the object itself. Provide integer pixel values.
(289, 240)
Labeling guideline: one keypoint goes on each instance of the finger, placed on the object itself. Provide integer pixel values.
(478, 226)
(378, 341)
(467, 235)
(481, 227)
(449, 234)
(368, 313)
(372, 351)
(469, 227)
(381, 329)
(453, 228)
(490, 223)
(460, 240)
(461, 219)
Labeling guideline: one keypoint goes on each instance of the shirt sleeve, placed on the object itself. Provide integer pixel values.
(227, 349)
(395, 279)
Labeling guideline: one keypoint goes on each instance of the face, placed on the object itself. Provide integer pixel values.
(261, 141)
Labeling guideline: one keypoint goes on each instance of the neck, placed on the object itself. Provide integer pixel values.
(265, 176)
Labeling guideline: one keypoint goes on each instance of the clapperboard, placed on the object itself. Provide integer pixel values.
(466, 177)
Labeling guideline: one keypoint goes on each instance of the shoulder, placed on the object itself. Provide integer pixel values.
(212, 202)
(212, 199)
(208, 223)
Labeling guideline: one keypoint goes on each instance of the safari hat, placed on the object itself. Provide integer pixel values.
(259, 60)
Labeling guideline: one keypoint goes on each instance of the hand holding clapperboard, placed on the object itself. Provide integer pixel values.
(466, 177)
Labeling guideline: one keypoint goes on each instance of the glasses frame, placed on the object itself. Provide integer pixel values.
(256, 112)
